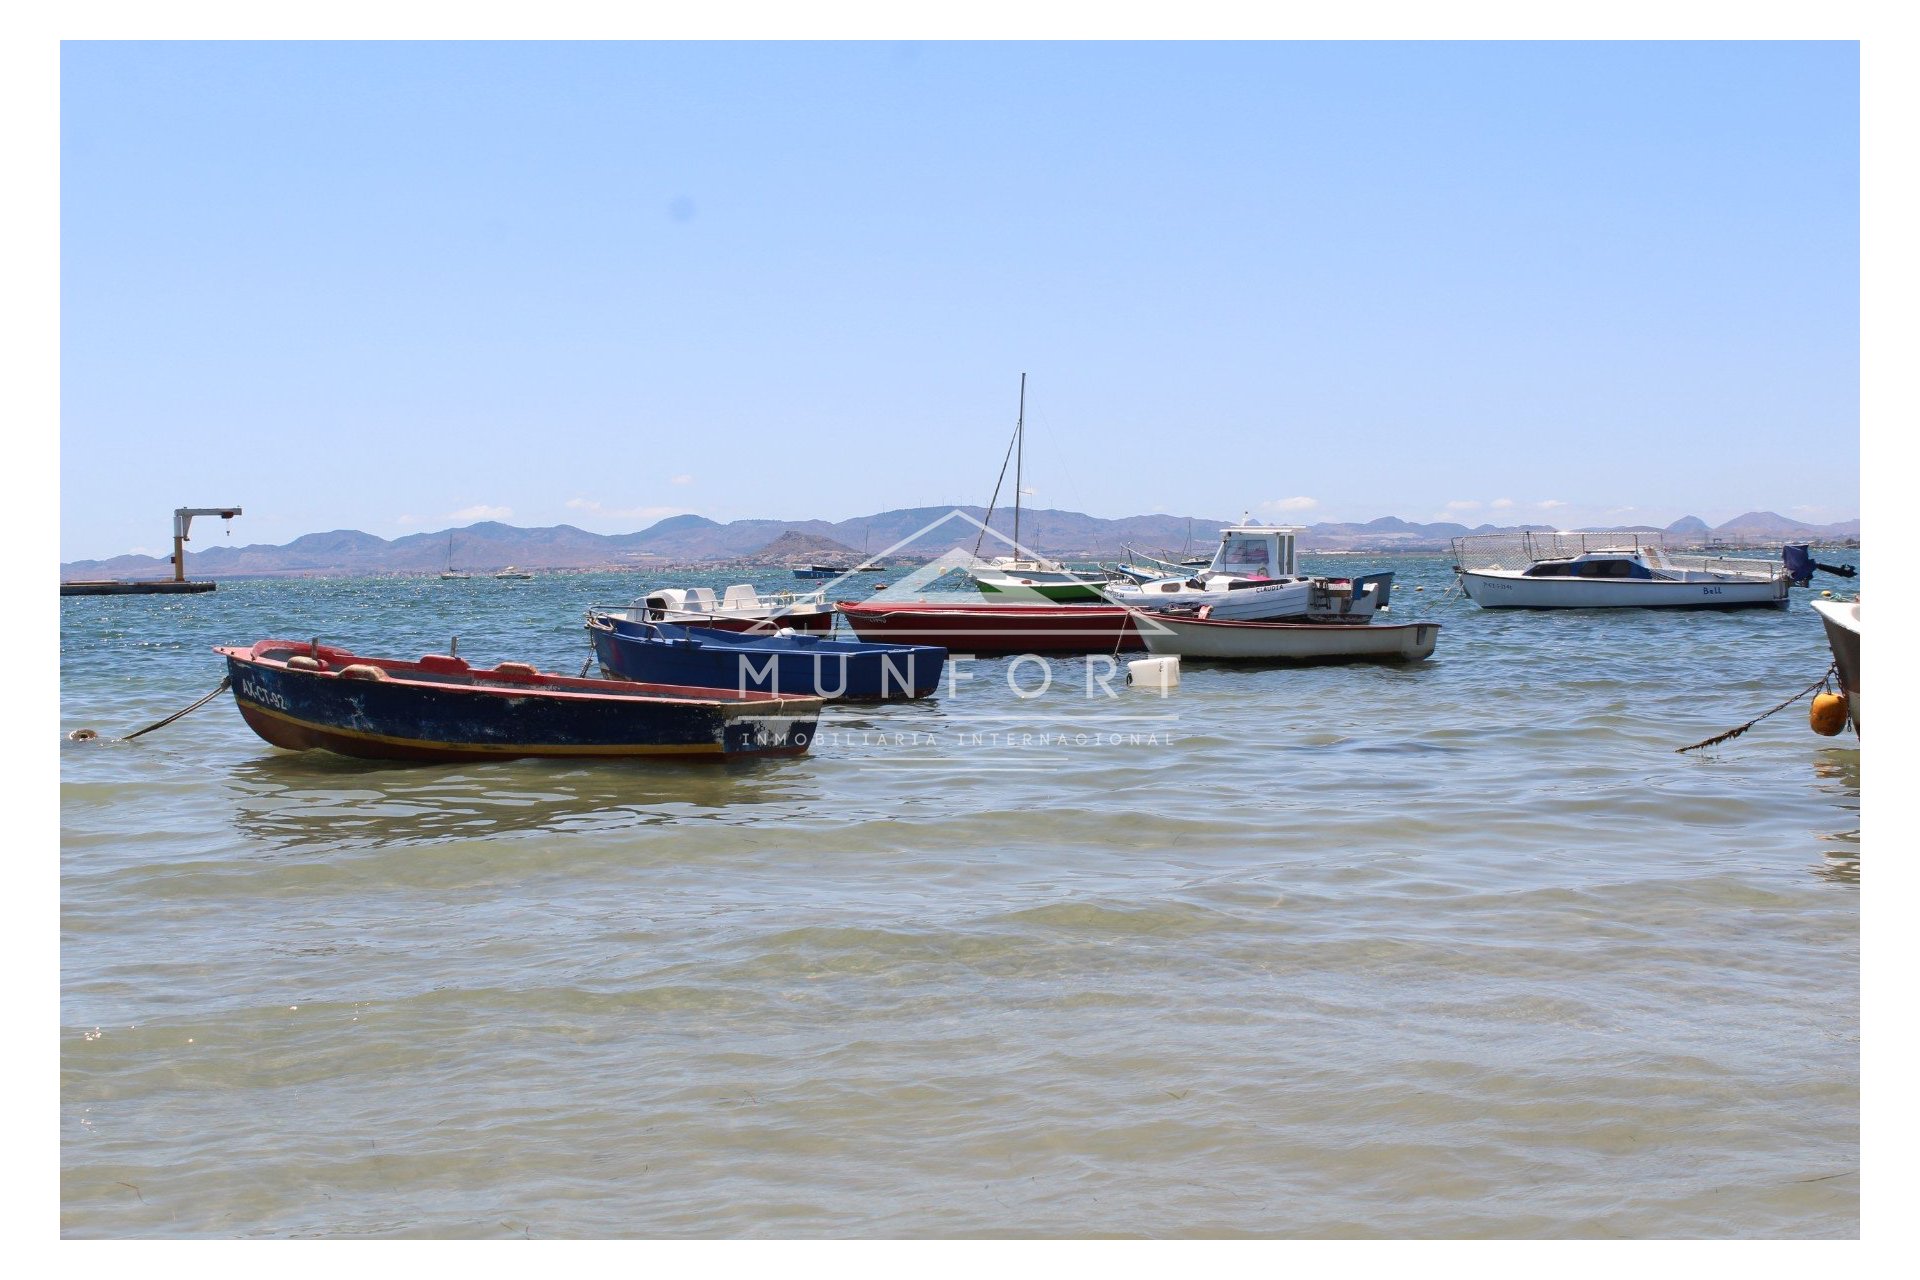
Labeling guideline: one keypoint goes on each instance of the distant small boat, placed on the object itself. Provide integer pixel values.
(1288, 642)
(303, 695)
(791, 663)
(452, 574)
(519, 575)
(1609, 569)
(821, 571)
(740, 609)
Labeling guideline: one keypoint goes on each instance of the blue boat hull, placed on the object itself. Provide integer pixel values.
(804, 665)
(406, 716)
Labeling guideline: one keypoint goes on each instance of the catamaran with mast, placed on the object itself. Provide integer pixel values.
(1021, 574)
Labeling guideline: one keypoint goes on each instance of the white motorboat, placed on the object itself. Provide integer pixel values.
(511, 574)
(1609, 569)
(1253, 577)
(1842, 621)
(741, 609)
(1286, 642)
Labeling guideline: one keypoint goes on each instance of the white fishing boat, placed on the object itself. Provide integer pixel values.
(1609, 569)
(741, 609)
(1287, 642)
(1254, 577)
(1842, 621)
(512, 574)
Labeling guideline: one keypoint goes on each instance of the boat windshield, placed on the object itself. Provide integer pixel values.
(1248, 557)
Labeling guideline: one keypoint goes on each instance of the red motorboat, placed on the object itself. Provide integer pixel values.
(986, 628)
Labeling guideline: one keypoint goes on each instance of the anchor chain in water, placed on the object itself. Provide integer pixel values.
(89, 735)
(1734, 733)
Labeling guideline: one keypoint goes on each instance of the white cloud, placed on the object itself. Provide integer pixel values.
(1291, 504)
(406, 520)
(480, 512)
(1550, 504)
(1463, 504)
(1501, 504)
(682, 480)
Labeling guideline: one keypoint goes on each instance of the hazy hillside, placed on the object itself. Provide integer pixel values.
(928, 531)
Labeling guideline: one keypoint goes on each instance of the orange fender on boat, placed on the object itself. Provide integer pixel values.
(1828, 716)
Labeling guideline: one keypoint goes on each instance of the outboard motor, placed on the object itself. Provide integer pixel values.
(1381, 584)
(1801, 564)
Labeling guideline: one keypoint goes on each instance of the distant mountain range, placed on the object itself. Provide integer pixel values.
(695, 541)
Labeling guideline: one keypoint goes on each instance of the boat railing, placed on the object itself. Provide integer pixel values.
(1517, 549)
(1731, 566)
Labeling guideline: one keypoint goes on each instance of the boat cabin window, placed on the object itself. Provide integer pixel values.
(1248, 557)
(1614, 568)
(1553, 569)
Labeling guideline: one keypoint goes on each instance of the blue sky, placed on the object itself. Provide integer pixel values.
(395, 287)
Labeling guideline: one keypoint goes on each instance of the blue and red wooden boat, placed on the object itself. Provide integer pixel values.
(303, 695)
(989, 628)
(793, 663)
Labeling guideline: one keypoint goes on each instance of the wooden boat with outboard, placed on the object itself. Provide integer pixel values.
(303, 695)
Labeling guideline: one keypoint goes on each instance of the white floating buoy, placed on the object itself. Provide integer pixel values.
(1154, 673)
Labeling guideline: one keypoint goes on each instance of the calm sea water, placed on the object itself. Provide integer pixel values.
(1463, 949)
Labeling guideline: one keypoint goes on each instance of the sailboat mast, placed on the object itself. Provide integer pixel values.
(1019, 456)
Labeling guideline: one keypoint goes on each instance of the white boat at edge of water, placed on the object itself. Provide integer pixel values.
(1609, 569)
(1841, 618)
(1287, 642)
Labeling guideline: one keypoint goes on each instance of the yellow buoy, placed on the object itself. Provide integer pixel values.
(1828, 715)
(1827, 594)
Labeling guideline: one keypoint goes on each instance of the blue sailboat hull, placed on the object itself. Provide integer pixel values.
(802, 664)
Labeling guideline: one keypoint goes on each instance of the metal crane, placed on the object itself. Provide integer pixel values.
(182, 521)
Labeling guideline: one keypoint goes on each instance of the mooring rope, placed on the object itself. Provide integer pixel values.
(226, 682)
(1734, 733)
